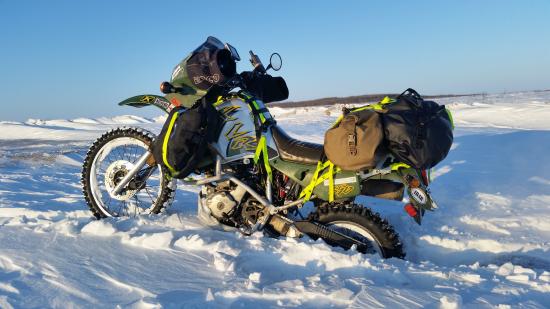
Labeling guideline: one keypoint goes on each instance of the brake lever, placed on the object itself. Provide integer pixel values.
(256, 63)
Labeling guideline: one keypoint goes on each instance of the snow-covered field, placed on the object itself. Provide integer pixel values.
(487, 246)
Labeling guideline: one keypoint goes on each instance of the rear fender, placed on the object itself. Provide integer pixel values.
(150, 99)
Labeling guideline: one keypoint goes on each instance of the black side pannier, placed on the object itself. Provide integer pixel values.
(417, 132)
(183, 140)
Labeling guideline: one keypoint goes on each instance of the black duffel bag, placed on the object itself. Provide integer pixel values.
(417, 132)
(183, 140)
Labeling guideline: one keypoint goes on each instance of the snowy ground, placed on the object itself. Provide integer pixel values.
(486, 246)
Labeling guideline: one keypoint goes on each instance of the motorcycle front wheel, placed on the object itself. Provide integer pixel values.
(108, 160)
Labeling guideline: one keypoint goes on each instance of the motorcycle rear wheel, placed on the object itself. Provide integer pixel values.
(107, 161)
(361, 224)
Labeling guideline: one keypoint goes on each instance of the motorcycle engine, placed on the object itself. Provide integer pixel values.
(222, 201)
(230, 205)
(221, 204)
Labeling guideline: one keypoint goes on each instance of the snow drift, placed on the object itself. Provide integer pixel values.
(486, 246)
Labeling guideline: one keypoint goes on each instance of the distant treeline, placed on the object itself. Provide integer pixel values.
(367, 98)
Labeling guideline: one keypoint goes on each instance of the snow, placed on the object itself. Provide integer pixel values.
(487, 246)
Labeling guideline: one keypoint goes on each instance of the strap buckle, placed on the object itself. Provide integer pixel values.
(352, 144)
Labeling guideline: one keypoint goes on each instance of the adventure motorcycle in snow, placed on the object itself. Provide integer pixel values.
(252, 175)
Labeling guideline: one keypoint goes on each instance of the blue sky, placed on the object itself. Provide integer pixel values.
(67, 59)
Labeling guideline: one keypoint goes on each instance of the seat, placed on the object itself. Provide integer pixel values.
(293, 150)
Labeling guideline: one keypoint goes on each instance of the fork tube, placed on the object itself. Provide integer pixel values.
(140, 163)
(218, 165)
(268, 191)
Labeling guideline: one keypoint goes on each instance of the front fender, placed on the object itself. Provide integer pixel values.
(150, 99)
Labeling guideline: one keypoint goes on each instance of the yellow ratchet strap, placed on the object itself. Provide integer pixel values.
(397, 166)
(377, 107)
(261, 149)
(316, 180)
(450, 118)
(219, 101)
(256, 107)
(171, 169)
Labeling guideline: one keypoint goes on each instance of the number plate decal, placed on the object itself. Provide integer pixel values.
(419, 196)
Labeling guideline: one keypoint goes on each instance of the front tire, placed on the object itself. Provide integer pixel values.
(106, 162)
(362, 224)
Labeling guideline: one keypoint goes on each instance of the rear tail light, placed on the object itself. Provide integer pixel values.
(411, 210)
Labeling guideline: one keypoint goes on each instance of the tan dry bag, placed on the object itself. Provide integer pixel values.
(352, 144)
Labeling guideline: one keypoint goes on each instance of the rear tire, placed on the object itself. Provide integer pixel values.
(358, 221)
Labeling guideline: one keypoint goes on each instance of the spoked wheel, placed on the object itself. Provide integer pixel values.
(108, 161)
(361, 224)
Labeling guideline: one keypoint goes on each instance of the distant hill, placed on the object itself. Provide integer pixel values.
(367, 98)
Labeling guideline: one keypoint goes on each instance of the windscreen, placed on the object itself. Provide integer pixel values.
(211, 43)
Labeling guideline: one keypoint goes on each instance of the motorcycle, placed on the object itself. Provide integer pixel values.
(254, 178)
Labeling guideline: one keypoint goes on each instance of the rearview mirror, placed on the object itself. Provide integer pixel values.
(275, 62)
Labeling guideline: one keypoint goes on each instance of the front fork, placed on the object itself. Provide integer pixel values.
(146, 158)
